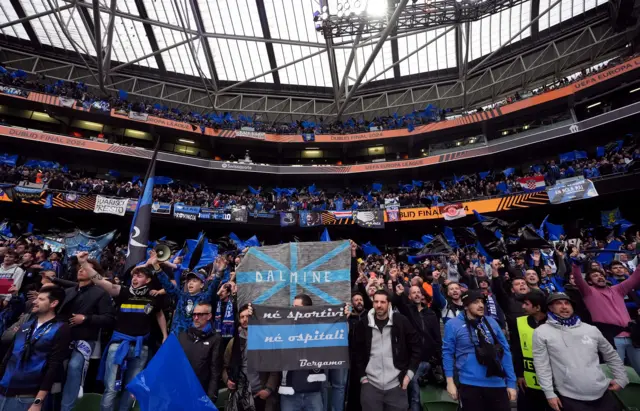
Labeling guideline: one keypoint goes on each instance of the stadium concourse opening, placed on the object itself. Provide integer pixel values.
(274, 205)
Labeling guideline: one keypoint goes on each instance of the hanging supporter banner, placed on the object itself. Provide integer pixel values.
(571, 189)
(134, 115)
(263, 214)
(66, 101)
(310, 218)
(71, 197)
(239, 215)
(14, 91)
(53, 245)
(288, 219)
(184, 212)
(532, 184)
(342, 214)
(274, 275)
(115, 206)
(391, 202)
(256, 135)
(452, 211)
(132, 206)
(101, 107)
(370, 218)
(298, 338)
(27, 193)
(393, 213)
(213, 214)
(160, 208)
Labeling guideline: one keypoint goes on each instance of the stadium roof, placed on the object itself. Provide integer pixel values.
(230, 43)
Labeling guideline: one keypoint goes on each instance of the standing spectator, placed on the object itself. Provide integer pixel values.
(386, 358)
(476, 350)
(127, 352)
(257, 387)
(359, 304)
(565, 355)
(187, 301)
(531, 397)
(424, 320)
(34, 360)
(450, 306)
(10, 270)
(88, 309)
(608, 310)
(301, 390)
(201, 345)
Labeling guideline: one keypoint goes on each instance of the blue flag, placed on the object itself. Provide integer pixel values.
(451, 239)
(253, 191)
(427, 238)
(369, 249)
(479, 216)
(607, 257)
(141, 223)
(509, 171)
(168, 383)
(208, 253)
(483, 174)
(49, 202)
(610, 218)
(123, 95)
(503, 187)
(417, 183)
(339, 202)
(415, 244)
(555, 231)
(325, 235)
(377, 187)
(312, 189)
(600, 152)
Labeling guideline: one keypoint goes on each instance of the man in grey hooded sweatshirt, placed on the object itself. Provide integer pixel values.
(565, 355)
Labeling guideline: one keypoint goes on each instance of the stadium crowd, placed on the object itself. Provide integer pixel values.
(613, 158)
(81, 92)
(579, 300)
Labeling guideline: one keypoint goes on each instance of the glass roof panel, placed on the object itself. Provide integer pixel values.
(239, 17)
(382, 60)
(49, 31)
(180, 59)
(292, 20)
(490, 32)
(439, 54)
(564, 11)
(7, 14)
(239, 60)
(311, 72)
(129, 41)
(165, 11)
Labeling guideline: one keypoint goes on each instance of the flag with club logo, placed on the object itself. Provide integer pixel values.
(141, 223)
(370, 218)
(453, 211)
(274, 275)
(532, 184)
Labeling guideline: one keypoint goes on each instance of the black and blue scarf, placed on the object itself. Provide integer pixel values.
(224, 326)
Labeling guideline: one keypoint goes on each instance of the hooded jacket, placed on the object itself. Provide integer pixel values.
(459, 355)
(404, 346)
(567, 357)
(203, 351)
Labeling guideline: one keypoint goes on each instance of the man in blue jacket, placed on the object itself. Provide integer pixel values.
(476, 350)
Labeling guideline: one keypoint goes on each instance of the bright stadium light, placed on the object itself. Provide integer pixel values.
(377, 8)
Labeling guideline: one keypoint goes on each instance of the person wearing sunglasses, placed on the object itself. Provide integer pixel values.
(201, 344)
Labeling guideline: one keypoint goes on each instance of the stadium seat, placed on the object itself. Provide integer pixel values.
(630, 395)
(436, 399)
(88, 402)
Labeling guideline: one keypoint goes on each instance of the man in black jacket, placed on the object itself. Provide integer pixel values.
(88, 309)
(201, 344)
(387, 357)
(359, 303)
(424, 320)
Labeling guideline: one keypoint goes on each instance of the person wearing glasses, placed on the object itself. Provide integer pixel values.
(201, 344)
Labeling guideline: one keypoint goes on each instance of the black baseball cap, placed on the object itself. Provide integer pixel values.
(471, 296)
(558, 296)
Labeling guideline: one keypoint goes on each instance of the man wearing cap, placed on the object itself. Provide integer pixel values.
(187, 300)
(532, 397)
(565, 356)
(476, 350)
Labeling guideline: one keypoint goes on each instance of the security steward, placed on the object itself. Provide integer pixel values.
(531, 397)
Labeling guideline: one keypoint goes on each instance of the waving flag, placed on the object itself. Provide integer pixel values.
(532, 184)
(325, 236)
(453, 211)
(141, 223)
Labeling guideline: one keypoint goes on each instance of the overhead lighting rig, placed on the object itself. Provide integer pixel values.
(350, 17)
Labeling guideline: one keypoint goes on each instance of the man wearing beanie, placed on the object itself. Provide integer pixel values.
(476, 350)
(565, 355)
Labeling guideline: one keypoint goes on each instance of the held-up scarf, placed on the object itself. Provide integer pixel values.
(491, 306)
(224, 325)
(140, 291)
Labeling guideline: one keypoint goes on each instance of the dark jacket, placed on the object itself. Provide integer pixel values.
(92, 302)
(405, 343)
(427, 325)
(203, 351)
